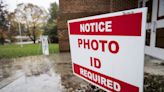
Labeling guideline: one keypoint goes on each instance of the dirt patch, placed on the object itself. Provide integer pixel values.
(153, 83)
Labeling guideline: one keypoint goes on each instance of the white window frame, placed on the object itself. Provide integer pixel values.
(153, 26)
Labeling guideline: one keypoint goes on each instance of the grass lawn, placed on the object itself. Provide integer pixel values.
(13, 51)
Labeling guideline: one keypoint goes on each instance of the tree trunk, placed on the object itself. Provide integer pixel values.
(34, 38)
(2, 40)
(34, 34)
(34, 41)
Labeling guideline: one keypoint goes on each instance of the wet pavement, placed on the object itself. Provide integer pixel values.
(54, 74)
(39, 74)
(154, 66)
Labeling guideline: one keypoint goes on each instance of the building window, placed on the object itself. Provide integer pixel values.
(160, 38)
(149, 4)
(140, 4)
(160, 13)
(148, 35)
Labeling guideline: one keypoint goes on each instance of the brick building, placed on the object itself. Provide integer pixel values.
(71, 9)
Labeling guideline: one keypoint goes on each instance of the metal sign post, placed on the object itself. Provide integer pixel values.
(45, 48)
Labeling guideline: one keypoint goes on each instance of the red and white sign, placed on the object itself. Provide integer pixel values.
(108, 50)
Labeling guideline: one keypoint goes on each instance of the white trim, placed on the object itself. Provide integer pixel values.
(155, 52)
(160, 23)
(152, 50)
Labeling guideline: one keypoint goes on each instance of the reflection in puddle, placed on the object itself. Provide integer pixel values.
(40, 74)
(5, 67)
(41, 83)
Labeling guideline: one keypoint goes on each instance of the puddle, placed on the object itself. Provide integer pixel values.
(5, 67)
(41, 83)
(40, 74)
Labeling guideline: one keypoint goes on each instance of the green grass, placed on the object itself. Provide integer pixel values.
(14, 51)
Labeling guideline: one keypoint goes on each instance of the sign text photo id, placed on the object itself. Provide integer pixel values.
(108, 50)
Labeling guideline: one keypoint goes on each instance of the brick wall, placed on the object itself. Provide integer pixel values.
(118, 5)
(71, 9)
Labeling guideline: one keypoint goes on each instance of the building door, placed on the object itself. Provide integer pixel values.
(155, 27)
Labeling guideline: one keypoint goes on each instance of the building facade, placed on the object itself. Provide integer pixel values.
(72, 9)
